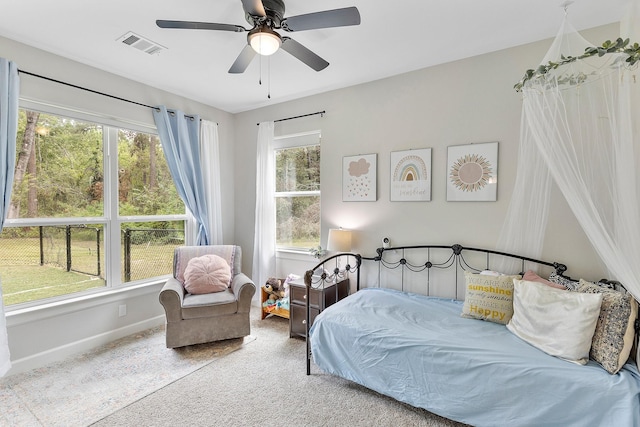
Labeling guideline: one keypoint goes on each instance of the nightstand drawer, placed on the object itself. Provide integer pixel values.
(321, 297)
(298, 320)
(298, 295)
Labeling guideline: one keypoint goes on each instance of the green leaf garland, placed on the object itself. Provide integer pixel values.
(619, 46)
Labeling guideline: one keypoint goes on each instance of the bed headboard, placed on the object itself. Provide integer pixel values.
(424, 259)
(413, 268)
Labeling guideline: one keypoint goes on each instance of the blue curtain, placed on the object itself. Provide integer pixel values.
(9, 88)
(179, 137)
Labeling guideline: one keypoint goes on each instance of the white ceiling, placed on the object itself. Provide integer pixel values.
(394, 37)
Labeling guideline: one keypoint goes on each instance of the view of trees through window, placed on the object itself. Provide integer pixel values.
(298, 196)
(67, 201)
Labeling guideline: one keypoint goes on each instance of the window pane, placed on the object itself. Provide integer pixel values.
(60, 173)
(145, 186)
(58, 168)
(49, 261)
(298, 221)
(147, 248)
(298, 169)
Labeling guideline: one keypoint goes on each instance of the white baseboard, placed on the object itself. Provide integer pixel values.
(60, 353)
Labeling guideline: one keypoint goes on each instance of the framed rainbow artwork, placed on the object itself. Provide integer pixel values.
(411, 175)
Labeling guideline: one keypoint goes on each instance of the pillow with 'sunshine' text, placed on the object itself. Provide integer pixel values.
(488, 297)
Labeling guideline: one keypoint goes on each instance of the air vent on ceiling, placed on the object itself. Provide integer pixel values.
(140, 43)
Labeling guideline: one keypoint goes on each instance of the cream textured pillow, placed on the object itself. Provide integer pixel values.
(206, 274)
(560, 323)
(613, 338)
(488, 297)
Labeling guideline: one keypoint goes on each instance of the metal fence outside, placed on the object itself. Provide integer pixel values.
(72, 247)
(146, 252)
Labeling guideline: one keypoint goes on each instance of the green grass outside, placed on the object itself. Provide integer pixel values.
(299, 244)
(26, 283)
(25, 280)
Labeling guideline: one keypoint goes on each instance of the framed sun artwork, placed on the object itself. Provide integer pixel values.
(359, 178)
(411, 175)
(472, 172)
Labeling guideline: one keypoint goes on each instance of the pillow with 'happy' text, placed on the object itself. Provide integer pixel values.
(488, 297)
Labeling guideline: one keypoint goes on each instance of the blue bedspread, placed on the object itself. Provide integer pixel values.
(418, 350)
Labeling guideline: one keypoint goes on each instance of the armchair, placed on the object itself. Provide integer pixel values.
(194, 319)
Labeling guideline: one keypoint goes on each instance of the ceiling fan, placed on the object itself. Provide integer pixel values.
(266, 16)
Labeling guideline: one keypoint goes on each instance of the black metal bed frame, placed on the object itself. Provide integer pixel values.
(455, 259)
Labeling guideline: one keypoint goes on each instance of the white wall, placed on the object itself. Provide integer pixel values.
(38, 336)
(470, 100)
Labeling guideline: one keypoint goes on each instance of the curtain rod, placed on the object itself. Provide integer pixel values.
(92, 91)
(298, 117)
(84, 88)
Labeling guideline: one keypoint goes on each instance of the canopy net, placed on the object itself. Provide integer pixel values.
(579, 110)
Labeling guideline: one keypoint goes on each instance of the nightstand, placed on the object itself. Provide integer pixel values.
(319, 299)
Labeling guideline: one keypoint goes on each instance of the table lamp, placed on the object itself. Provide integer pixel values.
(339, 240)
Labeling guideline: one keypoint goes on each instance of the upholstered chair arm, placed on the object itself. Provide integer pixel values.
(243, 288)
(171, 297)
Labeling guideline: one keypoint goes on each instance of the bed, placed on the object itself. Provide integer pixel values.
(418, 349)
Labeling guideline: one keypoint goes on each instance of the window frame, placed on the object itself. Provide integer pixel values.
(293, 141)
(111, 221)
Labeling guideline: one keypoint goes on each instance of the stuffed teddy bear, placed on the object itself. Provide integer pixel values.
(274, 288)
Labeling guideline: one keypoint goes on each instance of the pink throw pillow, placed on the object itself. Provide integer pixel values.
(207, 274)
(533, 277)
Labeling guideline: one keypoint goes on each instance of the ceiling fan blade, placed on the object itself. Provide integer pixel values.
(190, 25)
(326, 19)
(254, 7)
(243, 60)
(304, 54)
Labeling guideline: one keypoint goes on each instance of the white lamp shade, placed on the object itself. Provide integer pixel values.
(264, 42)
(339, 240)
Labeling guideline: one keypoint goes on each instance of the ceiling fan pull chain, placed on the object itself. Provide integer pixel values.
(269, 78)
(260, 75)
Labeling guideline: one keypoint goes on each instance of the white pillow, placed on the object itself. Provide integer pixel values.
(560, 323)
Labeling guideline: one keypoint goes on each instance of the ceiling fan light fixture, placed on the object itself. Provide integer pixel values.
(264, 41)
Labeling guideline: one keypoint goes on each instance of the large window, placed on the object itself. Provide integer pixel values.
(298, 190)
(93, 206)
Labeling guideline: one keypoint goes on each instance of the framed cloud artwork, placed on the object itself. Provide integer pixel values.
(472, 172)
(359, 178)
(411, 175)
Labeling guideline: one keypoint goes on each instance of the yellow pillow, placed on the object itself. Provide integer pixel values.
(488, 297)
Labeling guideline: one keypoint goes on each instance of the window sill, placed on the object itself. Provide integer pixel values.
(293, 254)
(47, 310)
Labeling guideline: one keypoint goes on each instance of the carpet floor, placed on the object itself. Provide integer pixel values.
(87, 387)
(255, 381)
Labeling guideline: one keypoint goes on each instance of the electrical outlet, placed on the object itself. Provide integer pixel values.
(122, 310)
